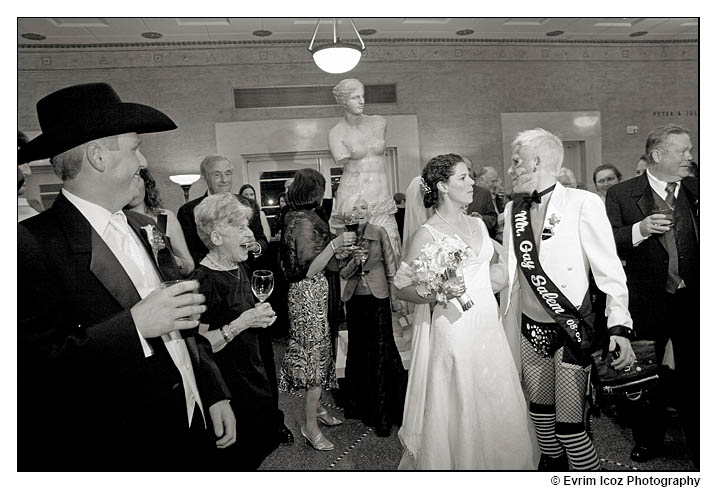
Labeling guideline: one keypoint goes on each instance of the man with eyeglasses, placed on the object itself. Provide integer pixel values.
(655, 223)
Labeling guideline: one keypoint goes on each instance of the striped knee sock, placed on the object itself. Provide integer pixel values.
(544, 419)
(581, 453)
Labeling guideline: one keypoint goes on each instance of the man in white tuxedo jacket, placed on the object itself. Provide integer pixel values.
(572, 236)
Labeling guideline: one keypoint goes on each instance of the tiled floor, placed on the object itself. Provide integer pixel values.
(358, 448)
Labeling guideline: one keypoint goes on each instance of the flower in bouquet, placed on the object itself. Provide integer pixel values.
(437, 266)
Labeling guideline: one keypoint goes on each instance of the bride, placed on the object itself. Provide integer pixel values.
(464, 408)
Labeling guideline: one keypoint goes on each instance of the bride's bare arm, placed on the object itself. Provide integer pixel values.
(498, 272)
(408, 293)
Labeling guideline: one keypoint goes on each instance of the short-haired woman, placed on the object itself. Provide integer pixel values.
(307, 248)
(234, 327)
(604, 177)
(375, 376)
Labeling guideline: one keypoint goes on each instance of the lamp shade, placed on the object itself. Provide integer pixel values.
(184, 179)
(337, 57)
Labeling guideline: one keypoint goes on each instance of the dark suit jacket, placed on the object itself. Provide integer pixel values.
(647, 264)
(483, 205)
(88, 398)
(185, 215)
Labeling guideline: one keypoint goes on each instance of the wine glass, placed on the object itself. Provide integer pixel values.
(351, 221)
(262, 284)
(364, 246)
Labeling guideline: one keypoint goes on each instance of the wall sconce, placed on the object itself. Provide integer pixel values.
(185, 181)
(337, 56)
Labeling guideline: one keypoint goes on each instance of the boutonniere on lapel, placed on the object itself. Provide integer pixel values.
(548, 232)
(155, 238)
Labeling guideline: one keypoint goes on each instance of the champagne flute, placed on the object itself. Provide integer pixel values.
(262, 284)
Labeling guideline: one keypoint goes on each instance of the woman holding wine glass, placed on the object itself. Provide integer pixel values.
(307, 249)
(234, 324)
(376, 380)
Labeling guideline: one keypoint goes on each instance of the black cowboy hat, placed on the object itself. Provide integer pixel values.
(81, 113)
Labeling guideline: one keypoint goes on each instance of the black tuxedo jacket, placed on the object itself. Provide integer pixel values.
(483, 205)
(197, 249)
(647, 264)
(88, 398)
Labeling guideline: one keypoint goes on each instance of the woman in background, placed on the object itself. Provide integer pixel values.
(307, 249)
(604, 177)
(248, 191)
(147, 201)
(376, 379)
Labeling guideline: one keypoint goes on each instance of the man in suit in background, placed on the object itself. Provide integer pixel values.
(488, 178)
(482, 205)
(111, 373)
(655, 223)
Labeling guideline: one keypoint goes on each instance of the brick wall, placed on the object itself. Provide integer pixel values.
(458, 102)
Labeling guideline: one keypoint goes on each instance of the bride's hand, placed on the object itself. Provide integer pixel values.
(454, 289)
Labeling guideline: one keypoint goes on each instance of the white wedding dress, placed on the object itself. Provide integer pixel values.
(474, 413)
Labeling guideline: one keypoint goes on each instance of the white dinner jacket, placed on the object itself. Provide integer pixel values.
(582, 239)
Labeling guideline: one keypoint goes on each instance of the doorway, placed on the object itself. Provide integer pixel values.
(574, 159)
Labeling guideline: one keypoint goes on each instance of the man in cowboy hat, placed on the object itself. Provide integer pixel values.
(110, 372)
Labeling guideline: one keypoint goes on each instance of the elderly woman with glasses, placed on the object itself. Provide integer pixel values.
(232, 323)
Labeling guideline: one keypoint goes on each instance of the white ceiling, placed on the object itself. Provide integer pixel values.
(74, 30)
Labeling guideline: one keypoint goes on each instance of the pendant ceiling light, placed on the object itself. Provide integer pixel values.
(337, 56)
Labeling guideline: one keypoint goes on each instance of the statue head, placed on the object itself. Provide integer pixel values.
(347, 90)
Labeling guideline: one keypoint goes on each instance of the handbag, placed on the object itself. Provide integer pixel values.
(631, 385)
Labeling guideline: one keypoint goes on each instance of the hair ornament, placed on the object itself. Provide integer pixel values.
(424, 186)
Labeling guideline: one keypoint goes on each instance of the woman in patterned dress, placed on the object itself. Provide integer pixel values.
(307, 248)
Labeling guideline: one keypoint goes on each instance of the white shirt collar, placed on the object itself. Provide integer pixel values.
(659, 186)
(98, 216)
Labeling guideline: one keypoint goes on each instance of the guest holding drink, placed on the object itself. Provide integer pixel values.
(374, 373)
(307, 249)
(234, 326)
(147, 201)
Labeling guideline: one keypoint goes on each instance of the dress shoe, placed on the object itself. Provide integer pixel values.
(641, 454)
(548, 463)
(328, 420)
(285, 436)
(382, 430)
(319, 442)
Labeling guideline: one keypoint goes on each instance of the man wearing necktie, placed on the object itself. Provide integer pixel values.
(111, 375)
(554, 236)
(655, 223)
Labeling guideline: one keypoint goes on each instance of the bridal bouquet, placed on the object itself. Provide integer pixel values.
(436, 268)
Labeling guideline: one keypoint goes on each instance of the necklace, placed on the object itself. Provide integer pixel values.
(471, 232)
(218, 267)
